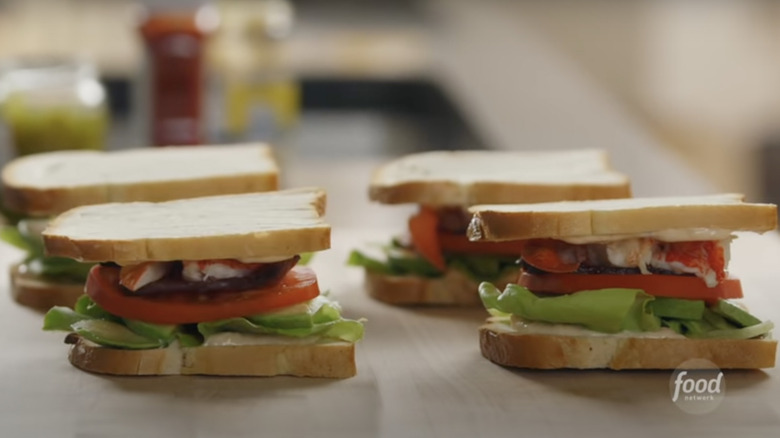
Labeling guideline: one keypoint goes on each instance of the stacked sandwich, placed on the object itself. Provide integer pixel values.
(39, 186)
(438, 264)
(635, 283)
(209, 285)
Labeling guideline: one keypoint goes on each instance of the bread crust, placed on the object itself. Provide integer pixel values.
(610, 218)
(453, 289)
(500, 344)
(37, 198)
(33, 291)
(243, 226)
(450, 193)
(331, 360)
(484, 177)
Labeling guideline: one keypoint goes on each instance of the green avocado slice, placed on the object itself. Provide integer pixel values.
(677, 308)
(165, 333)
(717, 321)
(112, 334)
(735, 314)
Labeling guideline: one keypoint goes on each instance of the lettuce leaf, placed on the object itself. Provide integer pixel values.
(401, 261)
(615, 310)
(321, 318)
(52, 268)
(12, 236)
(357, 258)
(62, 318)
(61, 268)
(604, 310)
(740, 333)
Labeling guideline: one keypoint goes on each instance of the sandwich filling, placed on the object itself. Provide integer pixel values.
(26, 235)
(154, 304)
(436, 243)
(632, 285)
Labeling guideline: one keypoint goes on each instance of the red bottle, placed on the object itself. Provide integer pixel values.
(175, 45)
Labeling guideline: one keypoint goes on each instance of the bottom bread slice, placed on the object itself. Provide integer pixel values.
(504, 346)
(332, 360)
(454, 288)
(34, 291)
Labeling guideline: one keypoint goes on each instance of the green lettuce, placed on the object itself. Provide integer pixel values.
(633, 310)
(400, 261)
(319, 318)
(52, 268)
(604, 310)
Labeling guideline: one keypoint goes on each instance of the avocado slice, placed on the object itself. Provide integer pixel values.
(189, 340)
(111, 334)
(696, 328)
(675, 326)
(163, 333)
(677, 308)
(717, 321)
(735, 314)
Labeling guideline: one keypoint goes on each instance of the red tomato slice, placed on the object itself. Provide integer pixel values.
(460, 244)
(299, 285)
(423, 229)
(671, 286)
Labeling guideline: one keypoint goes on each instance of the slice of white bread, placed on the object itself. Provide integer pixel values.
(619, 217)
(501, 344)
(34, 291)
(50, 183)
(332, 360)
(247, 226)
(454, 288)
(481, 177)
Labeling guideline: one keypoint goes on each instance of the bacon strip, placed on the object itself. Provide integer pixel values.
(265, 276)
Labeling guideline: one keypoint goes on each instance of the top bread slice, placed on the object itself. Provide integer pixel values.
(619, 217)
(245, 226)
(464, 178)
(50, 183)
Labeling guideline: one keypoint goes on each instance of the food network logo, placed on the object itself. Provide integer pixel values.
(697, 386)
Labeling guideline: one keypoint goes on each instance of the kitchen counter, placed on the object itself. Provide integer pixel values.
(420, 374)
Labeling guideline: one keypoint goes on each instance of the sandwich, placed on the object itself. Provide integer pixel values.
(37, 187)
(437, 264)
(202, 286)
(623, 284)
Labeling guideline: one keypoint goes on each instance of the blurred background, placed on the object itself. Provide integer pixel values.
(695, 83)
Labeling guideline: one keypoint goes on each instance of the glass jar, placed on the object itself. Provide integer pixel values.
(51, 105)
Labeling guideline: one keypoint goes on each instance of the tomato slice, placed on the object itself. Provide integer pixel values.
(671, 286)
(299, 285)
(423, 229)
(460, 244)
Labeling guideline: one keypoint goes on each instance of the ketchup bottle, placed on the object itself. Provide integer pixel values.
(175, 38)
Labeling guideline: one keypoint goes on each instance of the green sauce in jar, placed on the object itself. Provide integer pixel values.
(53, 107)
